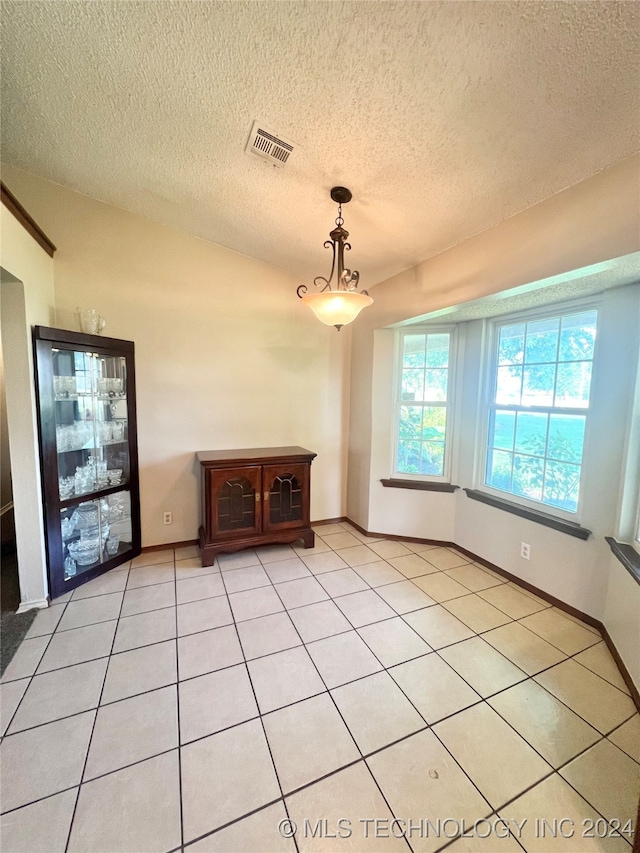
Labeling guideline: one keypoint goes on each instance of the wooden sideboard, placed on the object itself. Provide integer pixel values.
(254, 497)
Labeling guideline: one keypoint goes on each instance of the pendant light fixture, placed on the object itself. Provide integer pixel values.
(340, 303)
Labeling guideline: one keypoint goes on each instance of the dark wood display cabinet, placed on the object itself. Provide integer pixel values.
(85, 390)
(254, 497)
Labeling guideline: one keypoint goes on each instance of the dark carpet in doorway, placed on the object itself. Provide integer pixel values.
(13, 626)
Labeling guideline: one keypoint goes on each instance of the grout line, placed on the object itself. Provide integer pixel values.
(90, 741)
(494, 814)
(30, 677)
(40, 799)
(335, 704)
(261, 717)
(177, 686)
(234, 821)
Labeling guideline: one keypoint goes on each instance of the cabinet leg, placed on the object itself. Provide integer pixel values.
(208, 557)
(309, 538)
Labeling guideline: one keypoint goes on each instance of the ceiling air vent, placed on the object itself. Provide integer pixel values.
(269, 146)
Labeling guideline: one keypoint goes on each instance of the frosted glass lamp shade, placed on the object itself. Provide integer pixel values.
(337, 307)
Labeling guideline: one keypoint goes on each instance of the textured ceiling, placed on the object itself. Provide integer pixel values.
(575, 284)
(444, 118)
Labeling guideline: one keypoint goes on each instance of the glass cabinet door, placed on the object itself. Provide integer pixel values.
(91, 421)
(285, 490)
(89, 476)
(235, 496)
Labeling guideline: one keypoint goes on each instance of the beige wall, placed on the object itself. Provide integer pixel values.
(226, 355)
(27, 299)
(621, 610)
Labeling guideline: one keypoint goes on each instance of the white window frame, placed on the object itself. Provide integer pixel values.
(488, 384)
(450, 405)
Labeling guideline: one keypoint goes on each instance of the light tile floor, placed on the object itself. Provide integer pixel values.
(167, 706)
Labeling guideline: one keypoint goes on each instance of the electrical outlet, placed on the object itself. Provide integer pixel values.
(168, 518)
(525, 550)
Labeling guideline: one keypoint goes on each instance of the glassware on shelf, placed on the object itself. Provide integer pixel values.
(117, 430)
(115, 476)
(76, 436)
(67, 487)
(70, 568)
(64, 388)
(102, 478)
(66, 528)
(85, 551)
(113, 543)
(86, 516)
(84, 480)
(105, 431)
(116, 504)
(88, 534)
(111, 387)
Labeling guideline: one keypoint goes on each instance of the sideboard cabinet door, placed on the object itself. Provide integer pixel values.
(286, 496)
(235, 501)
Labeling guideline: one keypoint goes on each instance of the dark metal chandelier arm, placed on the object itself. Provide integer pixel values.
(318, 279)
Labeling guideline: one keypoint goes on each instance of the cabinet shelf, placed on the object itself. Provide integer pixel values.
(93, 446)
(73, 398)
(93, 496)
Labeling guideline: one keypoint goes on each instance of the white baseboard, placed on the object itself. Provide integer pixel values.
(38, 604)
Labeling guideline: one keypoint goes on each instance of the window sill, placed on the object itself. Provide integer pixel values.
(420, 485)
(569, 527)
(627, 555)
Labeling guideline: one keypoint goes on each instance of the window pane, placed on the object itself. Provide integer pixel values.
(434, 422)
(413, 349)
(410, 425)
(511, 345)
(566, 438)
(542, 341)
(408, 457)
(561, 484)
(531, 433)
(435, 384)
(432, 461)
(438, 350)
(509, 385)
(538, 454)
(573, 385)
(412, 384)
(499, 465)
(501, 429)
(527, 476)
(578, 336)
(537, 385)
(422, 411)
